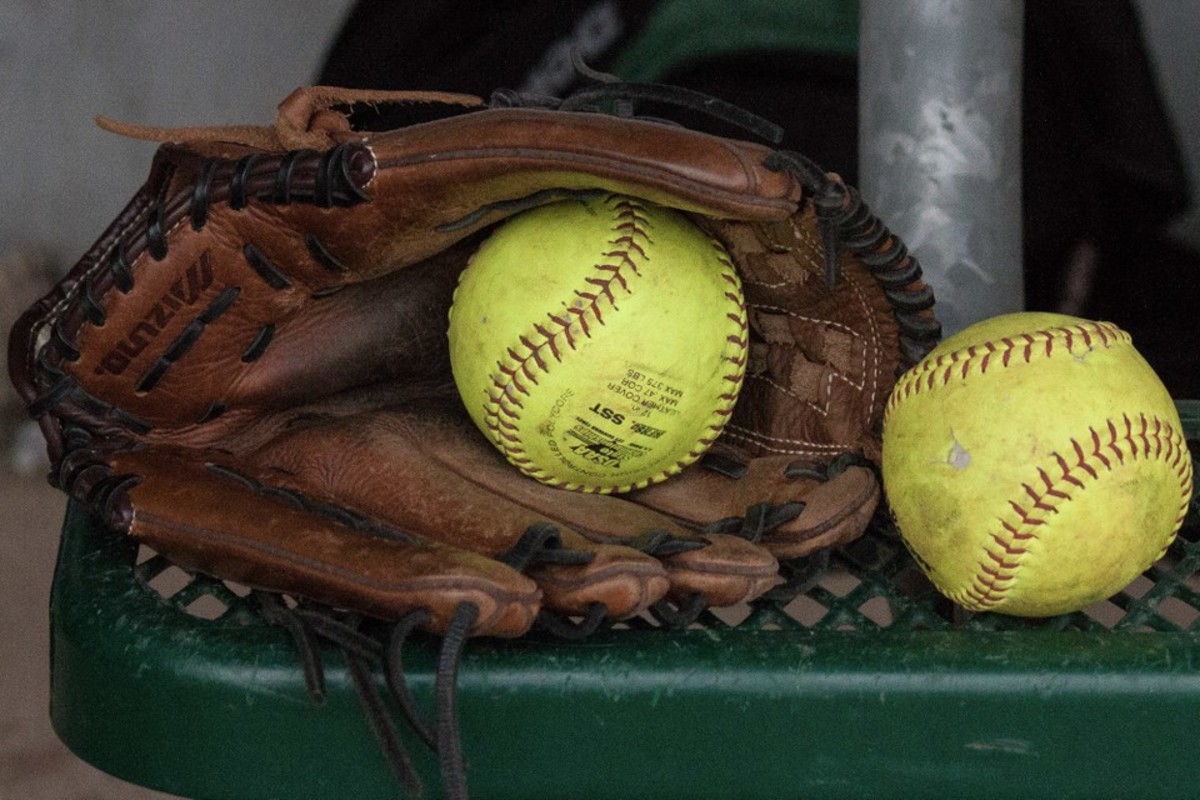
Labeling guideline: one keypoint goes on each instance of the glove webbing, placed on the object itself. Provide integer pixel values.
(846, 221)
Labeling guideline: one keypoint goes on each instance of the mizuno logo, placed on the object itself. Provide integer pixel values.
(183, 293)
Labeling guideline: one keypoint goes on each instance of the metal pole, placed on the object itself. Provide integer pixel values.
(940, 144)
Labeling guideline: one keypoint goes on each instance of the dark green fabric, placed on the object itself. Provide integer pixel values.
(682, 32)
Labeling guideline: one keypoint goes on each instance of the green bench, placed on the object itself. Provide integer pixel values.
(865, 684)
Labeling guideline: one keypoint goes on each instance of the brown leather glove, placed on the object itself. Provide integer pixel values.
(249, 373)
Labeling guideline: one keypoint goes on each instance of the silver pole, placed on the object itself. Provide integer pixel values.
(940, 144)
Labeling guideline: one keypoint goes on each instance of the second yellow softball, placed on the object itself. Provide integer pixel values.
(1035, 464)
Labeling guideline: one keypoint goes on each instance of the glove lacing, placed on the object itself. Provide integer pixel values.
(363, 653)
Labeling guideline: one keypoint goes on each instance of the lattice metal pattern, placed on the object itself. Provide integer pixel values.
(870, 584)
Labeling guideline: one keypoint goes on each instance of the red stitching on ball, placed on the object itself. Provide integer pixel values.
(1026, 517)
(581, 318)
(1157, 440)
(631, 225)
(983, 356)
(631, 231)
(1066, 472)
(1009, 346)
(1081, 459)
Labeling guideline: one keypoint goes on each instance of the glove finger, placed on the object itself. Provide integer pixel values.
(837, 309)
(729, 571)
(625, 581)
(429, 470)
(286, 542)
(836, 511)
(790, 509)
(723, 570)
(388, 466)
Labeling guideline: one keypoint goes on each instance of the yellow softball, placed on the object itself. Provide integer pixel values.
(599, 343)
(1035, 464)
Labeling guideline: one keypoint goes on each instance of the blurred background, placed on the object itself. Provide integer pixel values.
(174, 62)
(166, 62)
(160, 63)
(171, 62)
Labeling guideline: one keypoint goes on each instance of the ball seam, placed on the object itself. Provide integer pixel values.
(502, 410)
(979, 358)
(1100, 452)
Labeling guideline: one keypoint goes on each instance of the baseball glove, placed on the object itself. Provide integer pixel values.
(248, 372)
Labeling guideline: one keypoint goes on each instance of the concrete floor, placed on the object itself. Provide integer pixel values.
(34, 764)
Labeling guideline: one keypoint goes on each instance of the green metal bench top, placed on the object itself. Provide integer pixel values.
(864, 685)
